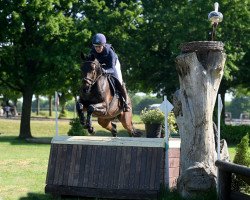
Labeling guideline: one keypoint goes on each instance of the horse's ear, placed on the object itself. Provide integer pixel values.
(83, 57)
(91, 57)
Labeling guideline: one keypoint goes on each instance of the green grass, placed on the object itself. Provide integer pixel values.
(70, 115)
(23, 166)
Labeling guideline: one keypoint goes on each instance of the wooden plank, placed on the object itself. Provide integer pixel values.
(97, 168)
(143, 167)
(148, 168)
(62, 164)
(92, 167)
(154, 168)
(76, 172)
(162, 164)
(224, 185)
(109, 141)
(52, 164)
(58, 164)
(158, 169)
(67, 165)
(108, 168)
(233, 168)
(72, 166)
(82, 165)
(87, 166)
(103, 168)
(101, 193)
(132, 168)
(138, 168)
(117, 167)
(127, 167)
(121, 177)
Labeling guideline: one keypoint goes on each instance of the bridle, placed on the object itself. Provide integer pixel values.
(92, 81)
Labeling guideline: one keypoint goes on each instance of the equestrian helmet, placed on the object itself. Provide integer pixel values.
(99, 39)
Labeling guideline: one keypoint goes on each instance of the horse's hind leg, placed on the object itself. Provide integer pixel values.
(107, 124)
(126, 119)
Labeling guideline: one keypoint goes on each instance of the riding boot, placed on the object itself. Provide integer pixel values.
(126, 107)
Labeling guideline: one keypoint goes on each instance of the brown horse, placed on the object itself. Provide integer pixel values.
(100, 99)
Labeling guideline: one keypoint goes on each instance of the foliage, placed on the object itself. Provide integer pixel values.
(40, 42)
(76, 128)
(141, 102)
(242, 157)
(233, 134)
(152, 116)
(63, 114)
(157, 116)
(37, 49)
(239, 105)
(172, 123)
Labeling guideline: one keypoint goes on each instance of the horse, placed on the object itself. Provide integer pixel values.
(98, 98)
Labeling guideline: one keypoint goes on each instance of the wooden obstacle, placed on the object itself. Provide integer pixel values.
(107, 167)
(226, 169)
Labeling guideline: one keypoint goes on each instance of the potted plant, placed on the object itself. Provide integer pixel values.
(153, 120)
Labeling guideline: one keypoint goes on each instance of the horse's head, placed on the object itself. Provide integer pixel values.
(91, 71)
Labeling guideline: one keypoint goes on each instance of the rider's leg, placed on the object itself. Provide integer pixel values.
(125, 96)
(123, 88)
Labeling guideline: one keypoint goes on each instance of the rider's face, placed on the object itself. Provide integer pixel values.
(99, 48)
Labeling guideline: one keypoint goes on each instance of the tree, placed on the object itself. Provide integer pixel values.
(37, 48)
(171, 23)
(200, 73)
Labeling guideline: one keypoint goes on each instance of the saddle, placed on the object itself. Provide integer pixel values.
(115, 85)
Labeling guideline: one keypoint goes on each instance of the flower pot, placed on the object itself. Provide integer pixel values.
(153, 130)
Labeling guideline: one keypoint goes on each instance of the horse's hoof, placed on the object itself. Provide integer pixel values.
(114, 135)
(91, 130)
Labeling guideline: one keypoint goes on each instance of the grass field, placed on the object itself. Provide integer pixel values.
(23, 166)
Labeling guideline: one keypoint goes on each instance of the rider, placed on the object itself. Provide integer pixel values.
(105, 54)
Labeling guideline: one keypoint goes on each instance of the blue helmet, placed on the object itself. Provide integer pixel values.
(99, 39)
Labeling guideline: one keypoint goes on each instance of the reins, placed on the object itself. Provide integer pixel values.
(91, 80)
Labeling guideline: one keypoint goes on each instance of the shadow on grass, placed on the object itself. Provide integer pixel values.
(13, 140)
(37, 196)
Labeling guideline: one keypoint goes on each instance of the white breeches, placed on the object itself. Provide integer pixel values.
(118, 71)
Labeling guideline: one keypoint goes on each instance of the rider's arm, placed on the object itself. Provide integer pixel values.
(111, 61)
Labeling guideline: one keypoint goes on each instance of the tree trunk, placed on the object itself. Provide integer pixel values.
(200, 72)
(26, 112)
(50, 105)
(37, 105)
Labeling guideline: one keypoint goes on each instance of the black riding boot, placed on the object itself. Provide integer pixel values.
(126, 107)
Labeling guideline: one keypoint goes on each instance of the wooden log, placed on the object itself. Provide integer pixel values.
(200, 71)
(224, 185)
(233, 168)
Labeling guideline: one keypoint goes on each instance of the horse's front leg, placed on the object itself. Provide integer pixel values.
(89, 126)
(99, 109)
(79, 109)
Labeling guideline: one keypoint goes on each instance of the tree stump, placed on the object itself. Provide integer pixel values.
(200, 69)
